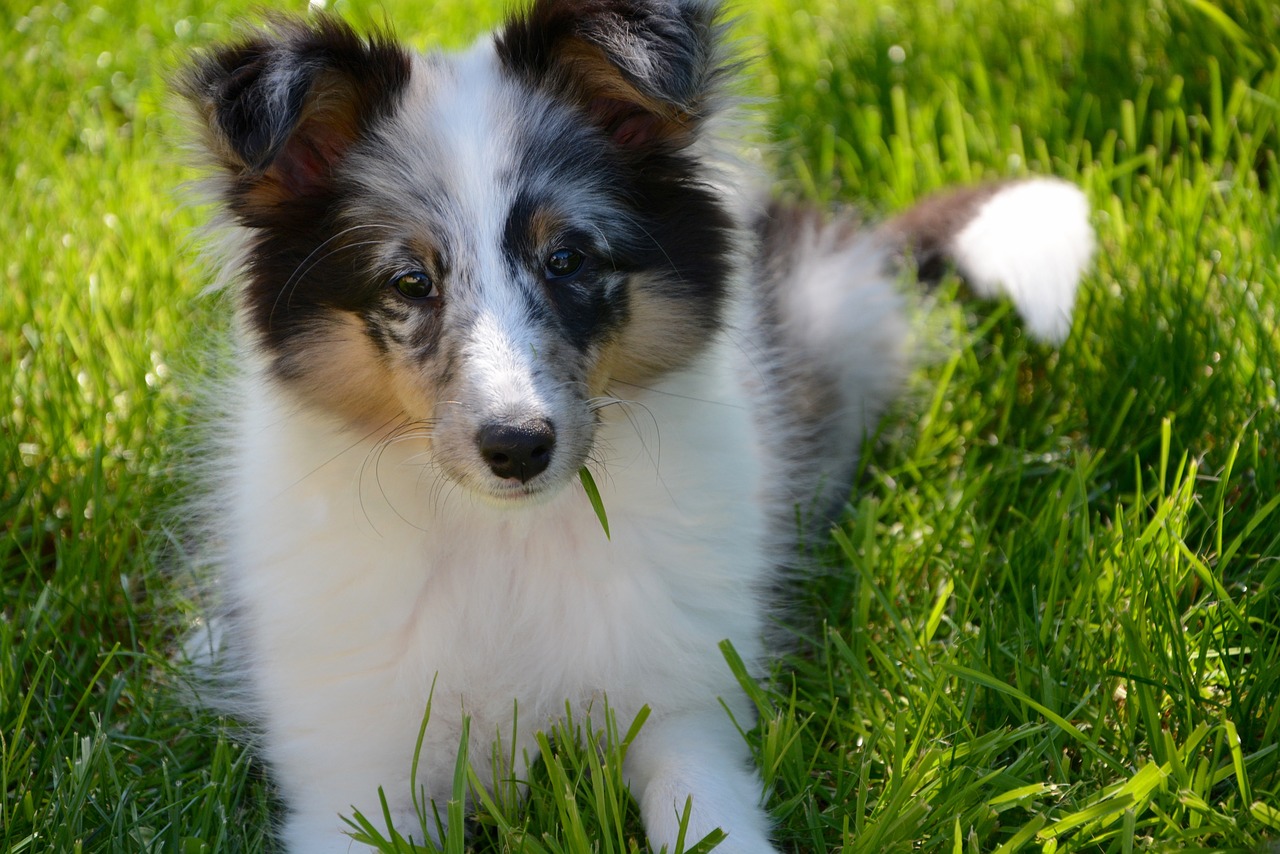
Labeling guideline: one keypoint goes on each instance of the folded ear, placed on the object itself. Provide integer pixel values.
(644, 71)
(282, 107)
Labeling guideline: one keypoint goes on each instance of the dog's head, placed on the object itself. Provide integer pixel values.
(482, 242)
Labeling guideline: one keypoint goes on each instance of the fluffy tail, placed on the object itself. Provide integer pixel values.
(1028, 240)
(834, 320)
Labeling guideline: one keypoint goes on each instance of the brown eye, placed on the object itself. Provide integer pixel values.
(563, 263)
(415, 285)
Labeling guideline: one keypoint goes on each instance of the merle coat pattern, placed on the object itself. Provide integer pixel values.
(461, 279)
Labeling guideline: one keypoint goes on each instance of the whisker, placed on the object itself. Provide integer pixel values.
(407, 430)
(300, 274)
(652, 390)
(627, 406)
(292, 282)
(377, 475)
(340, 453)
(372, 456)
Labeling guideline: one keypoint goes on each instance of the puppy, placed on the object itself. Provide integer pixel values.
(461, 282)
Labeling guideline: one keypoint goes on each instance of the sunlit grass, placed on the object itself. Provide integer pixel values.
(1050, 620)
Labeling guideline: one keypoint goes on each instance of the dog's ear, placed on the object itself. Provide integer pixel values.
(644, 71)
(282, 107)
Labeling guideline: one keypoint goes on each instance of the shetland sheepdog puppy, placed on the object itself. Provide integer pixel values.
(462, 281)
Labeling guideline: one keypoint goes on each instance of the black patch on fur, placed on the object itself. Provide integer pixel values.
(577, 307)
(282, 108)
(661, 57)
(685, 232)
(296, 279)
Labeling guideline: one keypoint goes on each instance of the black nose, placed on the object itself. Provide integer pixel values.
(517, 450)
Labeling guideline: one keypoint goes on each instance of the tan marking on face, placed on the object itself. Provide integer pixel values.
(544, 227)
(340, 369)
(657, 338)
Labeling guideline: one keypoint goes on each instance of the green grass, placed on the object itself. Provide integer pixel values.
(1050, 620)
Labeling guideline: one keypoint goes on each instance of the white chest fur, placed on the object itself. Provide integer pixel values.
(362, 579)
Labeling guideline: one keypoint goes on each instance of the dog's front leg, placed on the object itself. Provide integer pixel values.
(698, 758)
(315, 826)
(328, 775)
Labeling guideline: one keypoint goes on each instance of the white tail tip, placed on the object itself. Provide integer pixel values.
(1031, 241)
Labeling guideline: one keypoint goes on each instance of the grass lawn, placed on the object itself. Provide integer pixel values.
(1051, 617)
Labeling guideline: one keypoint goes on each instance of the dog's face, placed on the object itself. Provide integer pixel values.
(485, 244)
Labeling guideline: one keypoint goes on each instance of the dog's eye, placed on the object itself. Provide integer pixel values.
(563, 263)
(415, 285)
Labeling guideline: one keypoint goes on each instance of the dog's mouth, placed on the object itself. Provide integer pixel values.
(513, 493)
(519, 493)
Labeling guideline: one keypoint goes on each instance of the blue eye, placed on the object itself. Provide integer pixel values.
(414, 285)
(563, 263)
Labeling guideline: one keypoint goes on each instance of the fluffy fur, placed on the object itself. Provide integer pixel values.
(462, 278)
